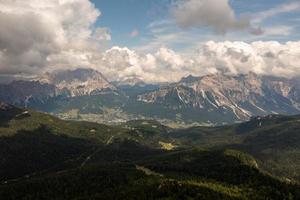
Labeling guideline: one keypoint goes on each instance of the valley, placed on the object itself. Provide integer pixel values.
(212, 137)
(211, 100)
(149, 100)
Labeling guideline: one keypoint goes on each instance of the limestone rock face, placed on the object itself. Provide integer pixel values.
(242, 95)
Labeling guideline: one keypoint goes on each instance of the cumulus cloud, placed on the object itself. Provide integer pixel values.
(102, 34)
(163, 66)
(24, 46)
(166, 65)
(269, 58)
(38, 36)
(35, 34)
(215, 14)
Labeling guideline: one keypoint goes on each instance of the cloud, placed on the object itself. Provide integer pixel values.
(280, 9)
(24, 46)
(215, 14)
(120, 63)
(278, 31)
(102, 34)
(268, 58)
(37, 35)
(134, 33)
(166, 65)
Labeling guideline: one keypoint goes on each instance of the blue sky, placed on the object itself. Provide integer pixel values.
(153, 24)
(123, 17)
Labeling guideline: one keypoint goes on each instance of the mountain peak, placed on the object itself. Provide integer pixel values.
(80, 74)
(218, 76)
(131, 81)
(81, 81)
(250, 75)
(237, 97)
(189, 79)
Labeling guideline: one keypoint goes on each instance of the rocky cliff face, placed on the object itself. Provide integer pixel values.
(243, 95)
(79, 82)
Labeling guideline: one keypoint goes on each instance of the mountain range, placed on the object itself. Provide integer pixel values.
(211, 100)
(236, 97)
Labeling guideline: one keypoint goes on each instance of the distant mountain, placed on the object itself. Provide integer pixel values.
(70, 83)
(130, 82)
(79, 82)
(22, 92)
(236, 98)
(85, 94)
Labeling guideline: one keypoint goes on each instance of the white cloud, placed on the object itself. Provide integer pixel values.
(269, 58)
(166, 65)
(278, 31)
(37, 35)
(102, 34)
(159, 23)
(280, 9)
(215, 14)
(121, 63)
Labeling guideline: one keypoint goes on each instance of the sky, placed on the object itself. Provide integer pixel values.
(154, 40)
(146, 24)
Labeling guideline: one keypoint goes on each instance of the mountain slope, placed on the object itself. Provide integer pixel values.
(235, 98)
(273, 140)
(79, 82)
(70, 83)
(21, 93)
(197, 175)
(45, 157)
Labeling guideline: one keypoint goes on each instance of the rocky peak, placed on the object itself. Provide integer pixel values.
(131, 81)
(241, 95)
(189, 79)
(79, 82)
(79, 74)
(220, 83)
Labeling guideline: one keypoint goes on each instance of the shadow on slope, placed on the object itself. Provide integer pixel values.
(8, 113)
(28, 152)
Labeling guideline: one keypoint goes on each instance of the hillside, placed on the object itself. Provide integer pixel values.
(273, 140)
(42, 154)
(196, 175)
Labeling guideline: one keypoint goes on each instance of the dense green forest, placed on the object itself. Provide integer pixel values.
(43, 157)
